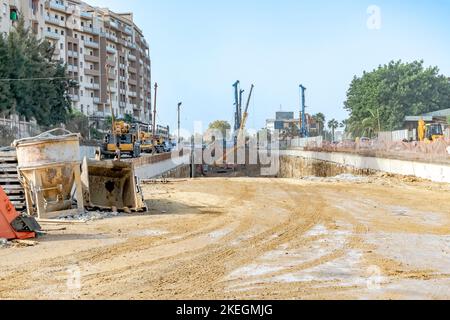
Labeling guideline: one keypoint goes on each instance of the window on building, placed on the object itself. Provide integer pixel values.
(61, 46)
(13, 14)
(62, 32)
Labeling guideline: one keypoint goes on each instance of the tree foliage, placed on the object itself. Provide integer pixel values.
(220, 125)
(380, 100)
(32, 85)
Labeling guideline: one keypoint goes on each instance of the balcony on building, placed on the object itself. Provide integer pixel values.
(132, 70)
(73, 54)
(57, 6)
(110, 62)
(132, 82)
(91, 30)
(91, 58)
(87, 15)
(91, 44)
(72, 68)
(111, 50)
(93, 86)
(131, 57)
(132, 94)
(112, 76)
(128, 30)
(114, 25)
(52, 35)
(53, 20)
(111, 37)
(74, 98)
(92, 72)
(96, 100)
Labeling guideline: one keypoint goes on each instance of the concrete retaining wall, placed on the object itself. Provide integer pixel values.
(155, 169)
(429, 171)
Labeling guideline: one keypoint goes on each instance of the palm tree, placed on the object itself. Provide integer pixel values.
(320, 120)
(333, 124)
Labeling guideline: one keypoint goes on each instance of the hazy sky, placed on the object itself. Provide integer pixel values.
(200, 47)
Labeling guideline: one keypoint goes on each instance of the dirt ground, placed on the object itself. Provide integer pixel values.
(250, 238)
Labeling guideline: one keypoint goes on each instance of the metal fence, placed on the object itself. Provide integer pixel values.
(12, 128)
(399, 135)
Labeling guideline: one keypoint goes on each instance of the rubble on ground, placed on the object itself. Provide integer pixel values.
(91, 216)
(346, 177)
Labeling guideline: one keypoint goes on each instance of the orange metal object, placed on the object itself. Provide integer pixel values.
(7, 215)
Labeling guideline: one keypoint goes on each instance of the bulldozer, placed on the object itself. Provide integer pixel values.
(430, 132)
(122, 138)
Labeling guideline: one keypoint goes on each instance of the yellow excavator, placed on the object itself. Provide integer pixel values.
(430, 132)
(123, 138)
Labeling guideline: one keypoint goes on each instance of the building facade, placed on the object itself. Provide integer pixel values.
(286, 123)
(105, 52)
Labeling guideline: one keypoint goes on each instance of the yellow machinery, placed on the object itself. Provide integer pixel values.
(429, 132)
(147, 144)
(122, 138)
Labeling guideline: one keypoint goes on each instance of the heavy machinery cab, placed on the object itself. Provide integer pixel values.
(434, 131)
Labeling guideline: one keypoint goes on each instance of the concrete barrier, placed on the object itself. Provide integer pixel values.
(154, 169)
(429, 171)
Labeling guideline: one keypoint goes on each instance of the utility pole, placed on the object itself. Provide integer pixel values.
(179, 123)
(113, 121)
(303, 127)
(154, 114)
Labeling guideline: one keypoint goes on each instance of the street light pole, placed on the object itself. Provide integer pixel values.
(179, 122)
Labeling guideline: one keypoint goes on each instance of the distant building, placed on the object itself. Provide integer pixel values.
(287, 124)
(88, 38)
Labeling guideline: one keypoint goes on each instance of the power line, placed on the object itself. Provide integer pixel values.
(36, 79)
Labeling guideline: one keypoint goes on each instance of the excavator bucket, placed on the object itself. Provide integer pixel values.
(14, 225)
(109, 185)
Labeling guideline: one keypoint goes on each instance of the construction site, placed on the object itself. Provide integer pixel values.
(289, 212)
(326, 224)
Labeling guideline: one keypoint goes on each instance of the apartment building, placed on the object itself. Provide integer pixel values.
(105, 52)
(31, 10)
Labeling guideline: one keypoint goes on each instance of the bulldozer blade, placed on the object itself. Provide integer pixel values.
(111, 185)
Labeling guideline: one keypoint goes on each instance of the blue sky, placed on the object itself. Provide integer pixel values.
(200, 47)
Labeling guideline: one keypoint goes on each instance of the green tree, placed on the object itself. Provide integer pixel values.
(220, 125)
(320, 119)
(380, 100)
(37, 85)
(5, 93)
(333, 124)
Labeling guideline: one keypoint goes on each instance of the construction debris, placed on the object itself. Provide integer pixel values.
(49, 167)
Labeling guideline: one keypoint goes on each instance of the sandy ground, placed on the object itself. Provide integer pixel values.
(244, 238)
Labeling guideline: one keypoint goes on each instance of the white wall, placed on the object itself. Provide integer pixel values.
(429, 171)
